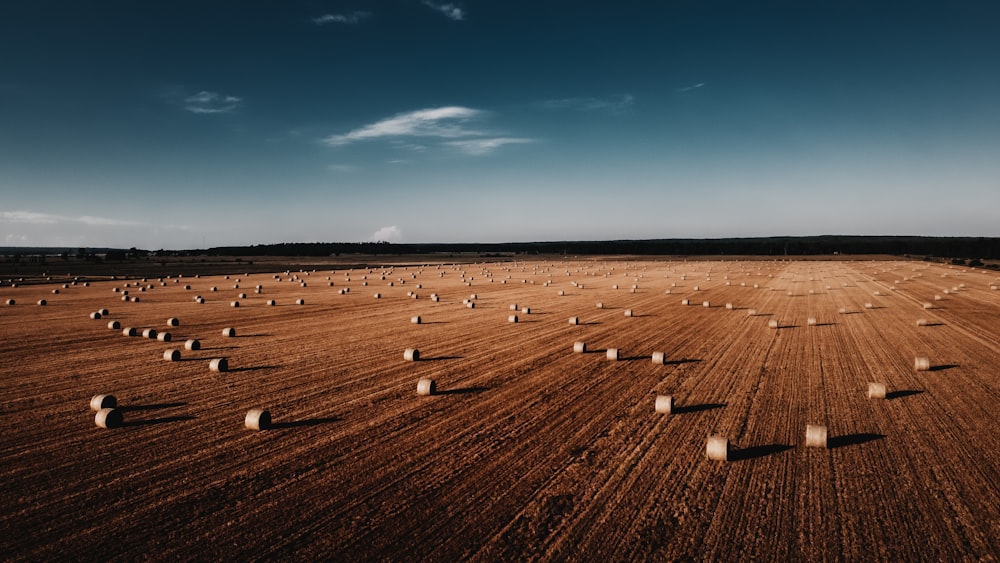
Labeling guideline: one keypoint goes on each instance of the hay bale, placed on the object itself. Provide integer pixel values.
(811, 321)
(10, 301)
(513, 306)
(234, 304)
(685, 302)
(579, 347)
(172, 355)
(219, 365)
(659, 358)
(426, 387)
(628, 312)
(471, 304)
(98, 402)
(664, 404)
(242, 296)
(574, 320)
(921, 322)
(149, 333)
(921, 363)
(411, 355)
(109, 418)
(257, 419)
(815, 436)
(192, 344)
(525, 310)
(869, 305)
(104, 312)
(706, 304)
(928, 305)
(415, 320)
(729, 306)
(717, 448)
(229, 332)
(600, 305)
(300, 301)
(42, 302)
(95, 315)
(129, 331)
(751, 312)
(772, 323)
(876, 390)
(164, 337)
(512, 319)
(114, 325)
(271, 302)
(613, 354)
(378, 296)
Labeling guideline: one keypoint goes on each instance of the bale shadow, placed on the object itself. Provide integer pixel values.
(150, 407)
(681, 361)
(591, 323)
(934, 324)
(439, 358)
(783, 327)
(251, 335)
(852, 439)
(433, 322)
(902, 393)
(303, 423)
(152, 421)
(214, 348)
(596, 351)
(255, 368)
(825, 324)
(462, 391)
(697, 408)
(943, 367)
(754, 452)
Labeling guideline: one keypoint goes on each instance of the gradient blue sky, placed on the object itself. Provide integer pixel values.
(185, 124)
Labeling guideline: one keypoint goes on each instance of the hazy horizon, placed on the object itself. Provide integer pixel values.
(203, 124)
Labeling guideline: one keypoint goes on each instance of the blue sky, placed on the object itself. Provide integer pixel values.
(188, 124)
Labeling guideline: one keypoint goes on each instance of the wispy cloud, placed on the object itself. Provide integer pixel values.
(211, 102)
(615, 104)
(388, 234)
(690, 88)
(451, 11)
(35, 218)
(342, 167)
(444, 122)
(351, 18)
(478, 147)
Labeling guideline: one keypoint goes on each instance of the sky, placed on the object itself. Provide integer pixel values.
(190, 124)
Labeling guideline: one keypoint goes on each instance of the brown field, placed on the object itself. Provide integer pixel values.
(527, 450)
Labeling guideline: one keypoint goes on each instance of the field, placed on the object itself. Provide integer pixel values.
(527, 450)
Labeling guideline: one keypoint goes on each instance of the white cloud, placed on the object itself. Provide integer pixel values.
(444, 122)
(211, 102)
(34, 218)
(614, 104)
(342, 167)
(351, 18)
(691, 87)
(388, 234)
(478, 147)
(451, 11)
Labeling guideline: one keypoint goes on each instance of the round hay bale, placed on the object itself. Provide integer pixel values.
(192, 344)
(129, 332)
(42, 302)
(811, 321)
(200, 300)
(55, 292)
(772, 323)
(114, 325)
(613, 354)
(10, 301)
(513, 306)
(869, 305)
(717, 448)
(411, 355)
(729, 306)
(685, 302)
(104, 312)
(300, 301)
(98, 402)
(659, 358)
(600, 305)
(751, 312)
(172, 321)
(921, 322)
(815, 436)
(842, 310)
(579, 347)
(921, 364)
(379, 296)
(928, 305)
(426, 387)
(471, 304)
(164, 337)
(664, 404)
(628, 312)
(574, 320)
(213, 288)
(229, 332)
(525, 310)
(257, 419)
(234, 304)
(271, 303)
(706, 304)
(415, 320)
(172, 355)
(95, 315)
(149, 333)
(876, 390)
(512, 319)
(219, 365)
(242, 296)
(560, 293)
(435, 298)
(109, 418)
(135, 299)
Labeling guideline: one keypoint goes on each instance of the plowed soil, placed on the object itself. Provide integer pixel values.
(527, 450)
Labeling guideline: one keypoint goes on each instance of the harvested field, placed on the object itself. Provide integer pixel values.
(526, 450)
